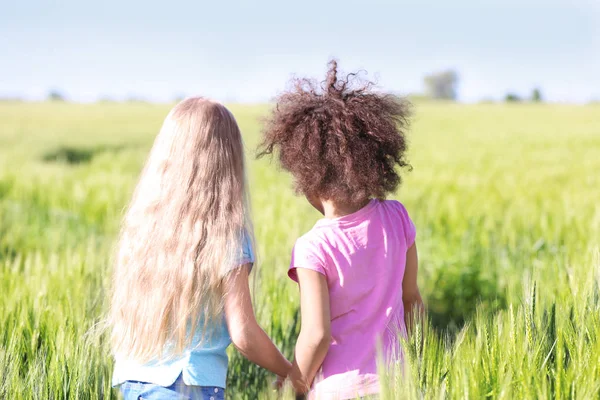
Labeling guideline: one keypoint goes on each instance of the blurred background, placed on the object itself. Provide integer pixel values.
(245, 51)
(504, 144)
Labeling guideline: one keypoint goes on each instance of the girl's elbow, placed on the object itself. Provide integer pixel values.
(241, 337)
(326, 336)
(325, 341)
(320, 338)
(239, 341)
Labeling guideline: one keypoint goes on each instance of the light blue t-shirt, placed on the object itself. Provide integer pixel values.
(202, 364)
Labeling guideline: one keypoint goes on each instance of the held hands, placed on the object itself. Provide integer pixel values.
(280, 383)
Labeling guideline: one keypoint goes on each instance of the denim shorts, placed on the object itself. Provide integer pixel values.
(134, 390)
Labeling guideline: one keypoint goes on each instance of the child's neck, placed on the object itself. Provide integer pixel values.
(332, 210)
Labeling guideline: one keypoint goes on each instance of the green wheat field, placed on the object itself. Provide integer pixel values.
(506, 200)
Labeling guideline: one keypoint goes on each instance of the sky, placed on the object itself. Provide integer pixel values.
(247, 51)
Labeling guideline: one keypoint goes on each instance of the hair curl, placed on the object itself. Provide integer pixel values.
(340, 140)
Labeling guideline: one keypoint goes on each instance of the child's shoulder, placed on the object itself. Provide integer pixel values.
(401, 214)
(394, 205)
(316, 240)
(308, 252)
(311, 238)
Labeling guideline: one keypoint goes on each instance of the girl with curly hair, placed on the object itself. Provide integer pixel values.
(357, 267)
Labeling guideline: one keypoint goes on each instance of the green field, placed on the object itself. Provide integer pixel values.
(506, 200)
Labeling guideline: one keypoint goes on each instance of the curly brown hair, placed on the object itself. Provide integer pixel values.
(340, 140)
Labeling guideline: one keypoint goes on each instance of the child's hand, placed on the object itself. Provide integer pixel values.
(279, 382)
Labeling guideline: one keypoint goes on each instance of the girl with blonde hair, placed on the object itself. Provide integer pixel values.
(180, 292)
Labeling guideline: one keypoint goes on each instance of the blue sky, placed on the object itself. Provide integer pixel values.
(248, 50)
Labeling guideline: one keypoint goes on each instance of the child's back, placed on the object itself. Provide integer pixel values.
(180, 287)
(362, 256)
(357, 268)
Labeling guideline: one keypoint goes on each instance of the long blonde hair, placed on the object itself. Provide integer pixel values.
(181, 233)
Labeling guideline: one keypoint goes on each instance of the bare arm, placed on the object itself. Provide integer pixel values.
(411, 297)
(315, 336)
(246, 335)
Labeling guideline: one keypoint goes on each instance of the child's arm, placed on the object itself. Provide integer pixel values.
(246, 335)
(410, 290)
(315, 336)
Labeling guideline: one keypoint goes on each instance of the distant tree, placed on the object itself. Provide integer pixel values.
(414, 97)
(11, 99)
(179, 98)
(55, 95)
(442, 85)
(106, 99)
(536, 96)
(135, 99)
(512, 98)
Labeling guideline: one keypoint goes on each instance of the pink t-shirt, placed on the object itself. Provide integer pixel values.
(363, 256)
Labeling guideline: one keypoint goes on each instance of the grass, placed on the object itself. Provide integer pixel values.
(504, 197)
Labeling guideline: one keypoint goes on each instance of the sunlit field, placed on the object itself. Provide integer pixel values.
(506, 200)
